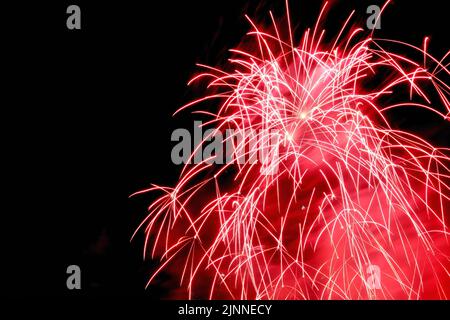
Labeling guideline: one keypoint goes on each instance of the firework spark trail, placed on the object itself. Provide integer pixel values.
(341, 190)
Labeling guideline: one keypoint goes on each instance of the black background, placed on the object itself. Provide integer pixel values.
(87, 120)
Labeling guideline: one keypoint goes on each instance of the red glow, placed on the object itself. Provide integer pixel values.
(349, 191)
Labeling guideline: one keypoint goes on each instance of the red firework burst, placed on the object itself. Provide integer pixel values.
(340, 197)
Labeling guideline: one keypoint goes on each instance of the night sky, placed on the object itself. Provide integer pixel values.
(87, 117)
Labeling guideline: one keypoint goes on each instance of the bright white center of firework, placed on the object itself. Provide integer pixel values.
(289, 137)
(302, 115)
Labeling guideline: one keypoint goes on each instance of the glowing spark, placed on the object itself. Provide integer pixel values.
(347, 191)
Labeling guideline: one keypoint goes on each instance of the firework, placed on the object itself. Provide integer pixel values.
(341, 205)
